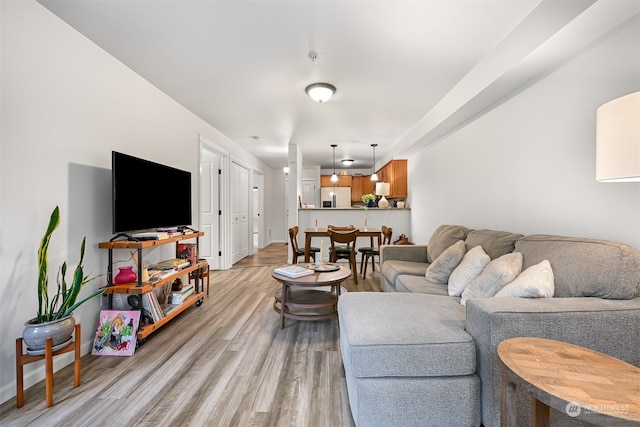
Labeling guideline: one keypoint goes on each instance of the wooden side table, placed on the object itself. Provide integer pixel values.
(580, 382)
(25, 359)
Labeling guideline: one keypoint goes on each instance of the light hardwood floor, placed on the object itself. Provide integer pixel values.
(225, 363)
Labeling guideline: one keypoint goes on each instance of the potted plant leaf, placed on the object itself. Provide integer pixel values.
(54, 317)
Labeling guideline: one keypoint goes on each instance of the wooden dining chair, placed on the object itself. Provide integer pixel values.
(347, 237)
(343, 250)
(369, 252)
(295, 250)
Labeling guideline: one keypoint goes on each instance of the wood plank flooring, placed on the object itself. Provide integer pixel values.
(225, 363)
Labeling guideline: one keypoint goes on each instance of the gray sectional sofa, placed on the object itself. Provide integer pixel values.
(414, 356)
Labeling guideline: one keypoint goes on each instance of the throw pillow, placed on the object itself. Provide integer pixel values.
(469, 268)
(440, 269)
(534, 282)
(494, 277)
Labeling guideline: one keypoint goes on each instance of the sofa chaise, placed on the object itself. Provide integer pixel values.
(415, 356)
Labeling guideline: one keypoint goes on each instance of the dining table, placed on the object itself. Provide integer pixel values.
(312, 232)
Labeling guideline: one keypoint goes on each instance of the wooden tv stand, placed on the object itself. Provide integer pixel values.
(139, 287)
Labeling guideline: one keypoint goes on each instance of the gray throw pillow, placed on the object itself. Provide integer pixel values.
(469, 268)
(534, 282)
(494, 277)
(440, 269)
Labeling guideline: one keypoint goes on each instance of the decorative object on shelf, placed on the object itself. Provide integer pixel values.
(383, 189)
(126, 275)
(60, 305)
(618, 140)
(334, 177)
(116, 333)
(369, 200)
(320, 92)
(374, 175)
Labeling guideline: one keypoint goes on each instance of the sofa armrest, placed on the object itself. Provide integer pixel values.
(417, 253)
(607, 326)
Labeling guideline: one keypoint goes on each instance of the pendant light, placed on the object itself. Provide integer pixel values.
(334, 177)
(374, 176)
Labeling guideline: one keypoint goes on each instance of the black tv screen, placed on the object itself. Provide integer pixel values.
(148, 195)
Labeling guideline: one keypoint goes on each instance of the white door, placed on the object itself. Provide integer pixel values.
(309, 192)
(239, 212)
(210, 210)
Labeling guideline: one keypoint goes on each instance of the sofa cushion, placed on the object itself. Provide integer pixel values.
(494, 277)
(442, 238)
(391, 269)
(418, 284)
(405, 335)
(441, 268)
(585, 267)
(534, 282)
(495, 243)
(469, 268)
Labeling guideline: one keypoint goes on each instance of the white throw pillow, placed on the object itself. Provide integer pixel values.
(494, 277)
(469, 268)
(440, 269)
(535, 282)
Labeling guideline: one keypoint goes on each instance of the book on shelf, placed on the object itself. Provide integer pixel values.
(178, 297)
(187, 251)
(171, 264)
(293, 271)
(151, 305)
(168, 308)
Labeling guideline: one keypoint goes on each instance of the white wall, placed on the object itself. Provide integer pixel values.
(528, 165)
(66, 104)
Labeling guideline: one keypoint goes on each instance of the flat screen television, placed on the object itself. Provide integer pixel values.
(148, 195)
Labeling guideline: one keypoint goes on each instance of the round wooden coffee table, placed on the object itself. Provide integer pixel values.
(580, 382)
(298, 299)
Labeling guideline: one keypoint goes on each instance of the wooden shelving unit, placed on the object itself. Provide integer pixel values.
(139, 287)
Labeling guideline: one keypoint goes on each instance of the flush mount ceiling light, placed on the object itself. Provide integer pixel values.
(347, 162)
(374, 176)
(320, 92)
(334, 177)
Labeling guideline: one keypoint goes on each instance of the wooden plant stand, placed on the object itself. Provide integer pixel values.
(25, 359)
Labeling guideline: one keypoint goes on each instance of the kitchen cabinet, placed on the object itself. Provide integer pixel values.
(361, 184)
(343, 181)
(395, 173)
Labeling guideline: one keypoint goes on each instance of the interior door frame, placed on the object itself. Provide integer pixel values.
(224, 222)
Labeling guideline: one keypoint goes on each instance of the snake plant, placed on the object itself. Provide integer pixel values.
(63, 302)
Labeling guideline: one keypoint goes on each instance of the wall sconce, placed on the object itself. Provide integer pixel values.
(285, 170)
(618, 140)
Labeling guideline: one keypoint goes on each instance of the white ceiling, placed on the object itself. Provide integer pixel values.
(406, 72)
